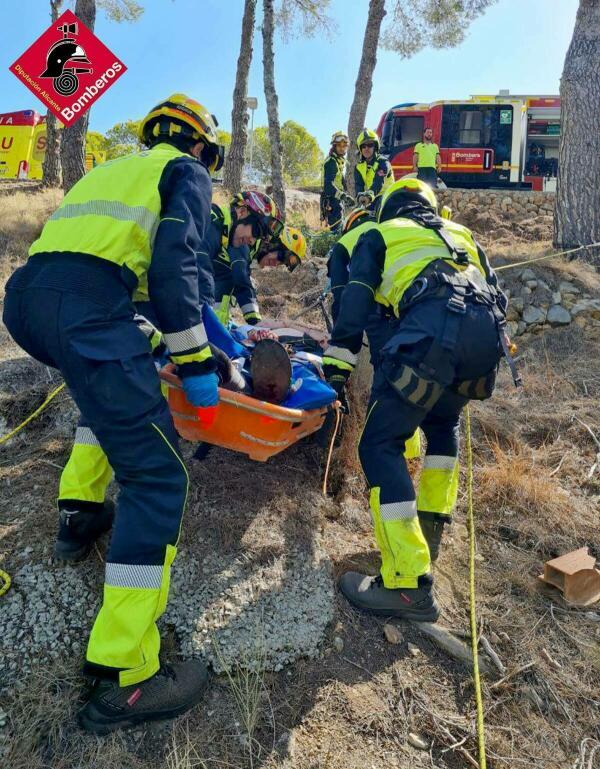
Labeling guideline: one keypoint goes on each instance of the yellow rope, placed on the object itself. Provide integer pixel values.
(6, 579)
(3, 575)
(39, 410)
(473, 617)
(547, 256)
(338, 416)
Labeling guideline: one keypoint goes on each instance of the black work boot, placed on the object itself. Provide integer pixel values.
(369, 594)
(79, 526)
(432, 527)
(168, 693)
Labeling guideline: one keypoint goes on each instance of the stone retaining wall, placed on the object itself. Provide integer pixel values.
(509, 203)
(537, 303)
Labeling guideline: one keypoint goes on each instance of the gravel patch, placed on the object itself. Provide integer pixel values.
(225, 608)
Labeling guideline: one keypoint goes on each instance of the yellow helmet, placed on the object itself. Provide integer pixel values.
(180, 116)
(294, 242)
(339, 136)
(367, 135)
(404, 190)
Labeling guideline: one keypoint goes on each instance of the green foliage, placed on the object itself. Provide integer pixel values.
(122, 139)
(121, 10)
(224, 138)
(417, 24)
(321, 242)
(301, 155)
(96, 142)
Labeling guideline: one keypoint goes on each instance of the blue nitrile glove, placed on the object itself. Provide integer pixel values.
(202, 390)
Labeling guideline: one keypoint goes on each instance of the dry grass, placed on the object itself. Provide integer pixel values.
(354, 709)
(23, 216)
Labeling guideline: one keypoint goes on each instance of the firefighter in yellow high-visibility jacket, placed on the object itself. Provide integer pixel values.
(130, 226)
(447, 316)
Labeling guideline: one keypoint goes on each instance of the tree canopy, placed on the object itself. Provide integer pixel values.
(301, 155)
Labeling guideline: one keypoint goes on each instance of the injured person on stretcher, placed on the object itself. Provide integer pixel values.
(276, 364)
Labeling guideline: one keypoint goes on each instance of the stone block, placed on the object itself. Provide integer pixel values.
(558, 316)
(527, 274)
(533, 315)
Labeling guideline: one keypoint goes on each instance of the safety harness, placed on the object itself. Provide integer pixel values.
(440, 279)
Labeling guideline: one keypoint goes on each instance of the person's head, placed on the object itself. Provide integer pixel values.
(356, 217)
(290, 250)
(255, 215)
(406, 194)
(428, 134)
(339, 143)
(187, 125)
(367, 143)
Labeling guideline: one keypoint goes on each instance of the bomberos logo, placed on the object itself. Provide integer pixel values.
(68, 68)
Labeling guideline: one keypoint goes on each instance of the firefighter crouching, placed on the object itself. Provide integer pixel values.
(334, 196)
(132, 225)
(446, 316)
(232, 240)
(373, 173)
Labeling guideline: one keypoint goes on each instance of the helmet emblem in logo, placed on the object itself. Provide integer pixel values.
(63, 53)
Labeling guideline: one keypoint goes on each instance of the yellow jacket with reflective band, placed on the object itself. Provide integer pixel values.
(410, 247)
(350, 239)
(113, 213)
(338, 180)
(367, 173)
(222, 214)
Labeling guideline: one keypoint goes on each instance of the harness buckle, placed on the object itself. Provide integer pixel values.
(456, 303)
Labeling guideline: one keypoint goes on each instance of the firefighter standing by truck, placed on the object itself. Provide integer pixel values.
(132, 225)
(373, 173)
(333, 195)
(447, 321)
(427, 161)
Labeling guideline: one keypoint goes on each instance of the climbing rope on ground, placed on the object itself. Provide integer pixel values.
(472, 595)
(546, 256)
(338, 417)
(33, 415)
(4, 577)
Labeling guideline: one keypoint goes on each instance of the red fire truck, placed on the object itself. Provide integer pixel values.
(485, 141)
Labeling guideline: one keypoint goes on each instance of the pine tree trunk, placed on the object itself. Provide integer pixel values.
(52, 168)
(364, 84)
(577, 217)
(73, 140)
(272, 104)
(234, 162)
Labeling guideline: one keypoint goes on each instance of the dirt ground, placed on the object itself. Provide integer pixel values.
(364, 703)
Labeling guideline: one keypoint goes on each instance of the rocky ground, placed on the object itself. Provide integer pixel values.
(300, 680)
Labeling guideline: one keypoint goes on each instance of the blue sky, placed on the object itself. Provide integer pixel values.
(192, 46)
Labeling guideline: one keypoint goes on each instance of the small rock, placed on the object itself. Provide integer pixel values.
(532, 284)
(417, 741)
(527, 274)
(338, 644)
(517, 303)
(558, 316)
(392, 634)
(568, 288)
(556, 297)
(414, 650)
(533, 315)
(592, 616)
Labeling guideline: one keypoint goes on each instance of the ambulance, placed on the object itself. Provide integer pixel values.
(509, 141)
(23, 146)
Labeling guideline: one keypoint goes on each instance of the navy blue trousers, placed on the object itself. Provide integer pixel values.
(106, 362)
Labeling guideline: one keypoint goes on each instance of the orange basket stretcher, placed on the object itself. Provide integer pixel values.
(239, 422)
